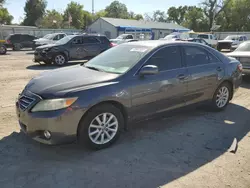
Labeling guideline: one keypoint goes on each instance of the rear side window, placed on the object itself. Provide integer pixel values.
(104, 40)
(90, 40)
(195, 56)
(129, 37)
(77, 40)
(168, 58)
(61, 36)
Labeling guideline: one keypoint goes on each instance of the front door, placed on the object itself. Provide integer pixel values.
(163, 91)
(204, 70)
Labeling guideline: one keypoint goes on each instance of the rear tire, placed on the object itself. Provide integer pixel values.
(17, 47)
(222, 97)
(101, 127)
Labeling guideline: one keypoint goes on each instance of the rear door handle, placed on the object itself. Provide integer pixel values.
(219, 69)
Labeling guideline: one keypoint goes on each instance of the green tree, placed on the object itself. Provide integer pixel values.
(138, 17)
(5, 17)
(212, 9)
(117, 10)
(194, 19)
(52, 19)
(159, 16)
(76, 12)
(34, 11)
(177, 15)
(101, 13)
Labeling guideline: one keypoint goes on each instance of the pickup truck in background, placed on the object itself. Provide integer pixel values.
(122, 38)
(231, 42)
(49, 39)
(209, 38)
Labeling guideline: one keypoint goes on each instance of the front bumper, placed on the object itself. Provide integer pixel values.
(40, 56)
(62, 124)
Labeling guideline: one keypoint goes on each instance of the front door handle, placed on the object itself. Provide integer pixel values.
(219, 69)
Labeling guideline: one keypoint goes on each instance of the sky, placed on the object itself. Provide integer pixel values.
(15, 7)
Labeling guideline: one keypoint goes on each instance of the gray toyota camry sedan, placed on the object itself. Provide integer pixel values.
(93, 102)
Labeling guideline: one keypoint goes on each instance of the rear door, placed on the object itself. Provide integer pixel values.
(204, 70)
(163, 91)
(91, 45)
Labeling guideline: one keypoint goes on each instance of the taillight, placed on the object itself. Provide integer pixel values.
(112, 44)
(240, 68)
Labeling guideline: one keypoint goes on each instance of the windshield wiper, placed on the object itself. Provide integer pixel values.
(93, 68)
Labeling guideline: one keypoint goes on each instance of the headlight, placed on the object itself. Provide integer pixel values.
(46, 50)
(53, 104)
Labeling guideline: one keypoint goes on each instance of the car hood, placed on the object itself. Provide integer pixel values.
(58, 82)
(238, 54)
(43, 41)
(47, 46)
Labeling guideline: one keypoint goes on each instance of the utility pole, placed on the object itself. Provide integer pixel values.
(93, 9)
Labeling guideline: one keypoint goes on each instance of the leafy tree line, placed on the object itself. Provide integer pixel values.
(231, 15)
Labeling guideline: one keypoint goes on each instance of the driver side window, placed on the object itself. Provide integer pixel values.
(168, 58)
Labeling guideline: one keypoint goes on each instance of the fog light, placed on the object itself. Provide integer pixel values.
(47, 134)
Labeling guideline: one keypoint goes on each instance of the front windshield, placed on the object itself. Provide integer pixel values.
(65, 39)
(121, 36)
(47, 36)
(118, 59)
(244, 47)
(232, 38)
(168, 37)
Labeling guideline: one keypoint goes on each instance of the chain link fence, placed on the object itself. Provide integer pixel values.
(38, 32)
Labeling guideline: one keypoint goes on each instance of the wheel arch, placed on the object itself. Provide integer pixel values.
(230, 82)
(117, 104)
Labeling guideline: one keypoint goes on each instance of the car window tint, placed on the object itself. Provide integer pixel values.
(195, 56)
(90, 40)
(203, 36)
(61, 36)
(77, 40)
(213, 58)
(166, 59)
(104, 40)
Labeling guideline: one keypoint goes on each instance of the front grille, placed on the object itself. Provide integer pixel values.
(25, 102)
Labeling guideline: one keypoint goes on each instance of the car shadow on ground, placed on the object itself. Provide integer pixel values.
(152, 153)
(50, 67)
(246, 82)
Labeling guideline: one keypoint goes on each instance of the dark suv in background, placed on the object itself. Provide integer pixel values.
(19, 41)
(72, 47)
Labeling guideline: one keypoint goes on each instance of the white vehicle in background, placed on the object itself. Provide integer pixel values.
(209, 38)
(231, 42)
(49, 39)
(122, 38)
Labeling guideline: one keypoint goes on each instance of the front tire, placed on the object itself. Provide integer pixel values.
(3, 50)
(101, 127)
(17, 47)
(222, 96)
(60, 59)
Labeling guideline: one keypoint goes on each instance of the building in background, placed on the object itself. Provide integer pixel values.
(113, 27)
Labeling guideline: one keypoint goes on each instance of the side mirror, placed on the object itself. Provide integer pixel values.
(149, 70)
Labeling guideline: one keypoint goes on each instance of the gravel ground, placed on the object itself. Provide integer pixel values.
(187, 149)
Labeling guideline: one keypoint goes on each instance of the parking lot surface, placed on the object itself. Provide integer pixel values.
(185, 149)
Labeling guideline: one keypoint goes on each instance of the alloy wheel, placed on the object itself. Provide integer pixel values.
(222, 97)
(103, 128)
(60, 60)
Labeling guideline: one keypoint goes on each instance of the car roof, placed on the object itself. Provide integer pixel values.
(155, 43)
